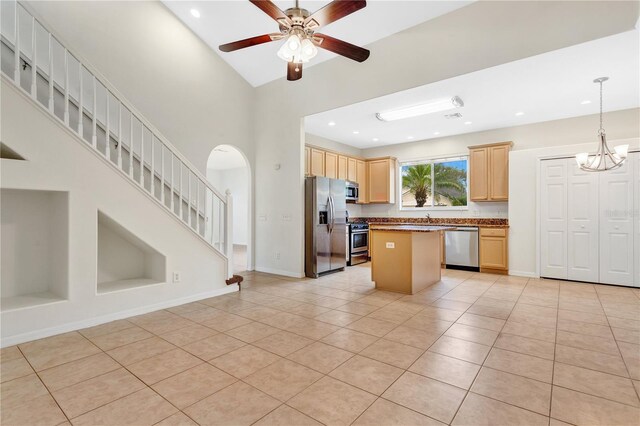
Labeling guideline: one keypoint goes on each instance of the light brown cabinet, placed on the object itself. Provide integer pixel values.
(307, 160)
(330, 165)
(489, 172)
(376, 178)
(381, 184)
(317, 162)
(352, 170)
(342, 167)
(494, 250)
(362, 180)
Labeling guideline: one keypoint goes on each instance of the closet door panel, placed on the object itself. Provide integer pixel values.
(582, 224)
(553, 219)
(635, 157)
(617, 225)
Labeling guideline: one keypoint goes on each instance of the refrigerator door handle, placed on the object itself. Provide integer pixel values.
(330, 213)
(333, 214)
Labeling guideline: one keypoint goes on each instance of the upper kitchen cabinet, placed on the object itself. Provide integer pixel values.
(316, 167)
(331, 165)
(489, 172)
(352, 170)
(381, 185)
(307, 160)
(361, 177)
(342, 167)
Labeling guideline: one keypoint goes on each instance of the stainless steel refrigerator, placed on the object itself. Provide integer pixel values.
(325, 225)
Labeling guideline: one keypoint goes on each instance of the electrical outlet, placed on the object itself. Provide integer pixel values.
(176, 277)
(277, 255)
(390, 245)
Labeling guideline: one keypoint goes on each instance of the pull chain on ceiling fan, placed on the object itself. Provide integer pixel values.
(299, 27)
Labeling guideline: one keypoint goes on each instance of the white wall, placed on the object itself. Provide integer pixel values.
(58, 161)
(475, 37)
(237, 181)
(523, 193)
(178, 83)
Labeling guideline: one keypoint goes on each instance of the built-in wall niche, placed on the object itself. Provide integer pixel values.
(124, 260)
(8, 153)
(34, 236)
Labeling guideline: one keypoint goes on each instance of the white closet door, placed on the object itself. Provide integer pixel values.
(616, 225)
(635, 157)
(553, 219)
(582, 224)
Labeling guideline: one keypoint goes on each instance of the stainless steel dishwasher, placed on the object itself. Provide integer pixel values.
(461, 248)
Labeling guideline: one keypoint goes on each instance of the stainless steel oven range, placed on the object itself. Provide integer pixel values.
(358, 243)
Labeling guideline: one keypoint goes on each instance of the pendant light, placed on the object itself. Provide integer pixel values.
(604, 159)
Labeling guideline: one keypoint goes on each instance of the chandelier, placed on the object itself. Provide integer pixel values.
(604, 159)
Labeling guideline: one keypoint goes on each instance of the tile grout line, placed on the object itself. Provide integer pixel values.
(468, 391)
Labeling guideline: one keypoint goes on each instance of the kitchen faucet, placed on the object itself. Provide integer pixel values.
(428, 217)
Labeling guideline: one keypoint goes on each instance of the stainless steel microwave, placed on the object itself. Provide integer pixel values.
(351, 192)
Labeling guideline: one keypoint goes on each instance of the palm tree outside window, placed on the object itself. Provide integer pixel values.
(438, 183)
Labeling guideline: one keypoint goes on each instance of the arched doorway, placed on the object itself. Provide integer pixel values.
(228, 169)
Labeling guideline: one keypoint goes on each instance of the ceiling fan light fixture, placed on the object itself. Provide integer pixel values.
(421, 109)
(308, 49)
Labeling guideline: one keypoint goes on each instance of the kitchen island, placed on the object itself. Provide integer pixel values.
(405, 258)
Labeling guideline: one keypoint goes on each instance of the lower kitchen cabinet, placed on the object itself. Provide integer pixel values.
(494, 250)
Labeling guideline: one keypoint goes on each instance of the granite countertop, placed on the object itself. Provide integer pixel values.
(410, 228)
(447, 225)
(419, 221)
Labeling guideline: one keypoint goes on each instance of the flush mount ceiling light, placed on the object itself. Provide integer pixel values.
(195, 13)
(585, 102)
(355, 132)
(604, 159)
(298, 29)
(519, 114)
(421, 109)
(331, 123)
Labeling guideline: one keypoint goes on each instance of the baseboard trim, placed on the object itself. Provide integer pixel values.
(78, 325)
(278, 272)
(523, 274)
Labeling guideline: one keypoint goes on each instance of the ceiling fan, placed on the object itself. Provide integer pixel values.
(299, 27)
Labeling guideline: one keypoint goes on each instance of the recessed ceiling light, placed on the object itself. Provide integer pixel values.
(409, 137)
(332, 123)
(195, 13)
(585, 102)
(519, 113)
(375, 139)
(421, 109)
(436, 133)
(355, 132)
(467, 122)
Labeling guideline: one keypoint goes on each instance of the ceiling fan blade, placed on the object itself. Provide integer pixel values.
(340, 47)
(248, 42)
(271, 9)
(292, 74)
(335, 10)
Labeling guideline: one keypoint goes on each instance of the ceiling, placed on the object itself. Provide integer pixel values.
(222, 22)
(545, 87)
(224, 157)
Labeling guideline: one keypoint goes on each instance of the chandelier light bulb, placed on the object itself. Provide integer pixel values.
(582, 158)
(621, 150)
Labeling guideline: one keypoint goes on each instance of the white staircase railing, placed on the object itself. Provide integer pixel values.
(84, 101)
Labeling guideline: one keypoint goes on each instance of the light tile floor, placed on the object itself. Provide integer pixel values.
(473, 349)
